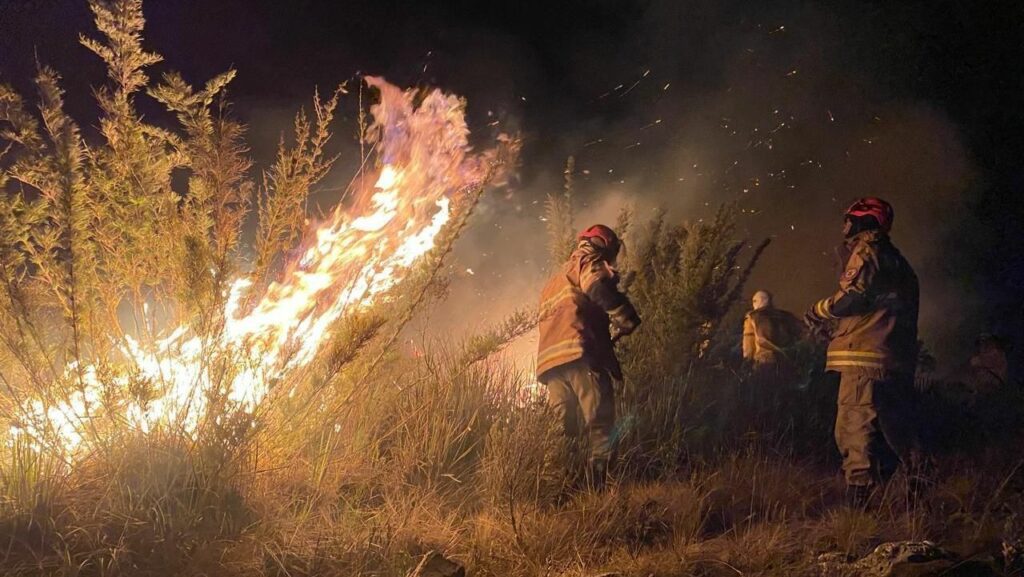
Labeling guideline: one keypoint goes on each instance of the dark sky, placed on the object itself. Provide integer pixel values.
(789, 108)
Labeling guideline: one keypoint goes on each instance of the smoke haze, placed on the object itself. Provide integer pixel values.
(790, 110)
(777, 121)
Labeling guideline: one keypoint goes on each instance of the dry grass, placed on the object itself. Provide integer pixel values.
(472, 478)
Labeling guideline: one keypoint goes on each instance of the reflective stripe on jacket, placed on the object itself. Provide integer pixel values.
(875, 310)
(572, 326)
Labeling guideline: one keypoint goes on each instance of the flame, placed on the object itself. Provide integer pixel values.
(350, 261)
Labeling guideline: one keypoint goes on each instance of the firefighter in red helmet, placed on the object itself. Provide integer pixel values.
(582, 314)
(872, 326)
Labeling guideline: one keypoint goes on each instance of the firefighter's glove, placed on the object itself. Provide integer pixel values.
(818, 327)
(813, 320)
(621, 313)
(624, 320)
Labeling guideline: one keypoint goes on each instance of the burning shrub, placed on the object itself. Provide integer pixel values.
(136, 350)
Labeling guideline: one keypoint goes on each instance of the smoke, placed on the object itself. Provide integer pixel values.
(790, 109)
(786, 108)
(775, 112)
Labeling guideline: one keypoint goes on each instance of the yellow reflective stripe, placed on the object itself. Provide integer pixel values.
(560, 359)
(865, 354)
(870, 364)
(559, 296)
(569, 355)
(866, 359)
(559, 347)
(562, 343)
(823, 309)
(593, 268)
(592, 272)
(562, 348)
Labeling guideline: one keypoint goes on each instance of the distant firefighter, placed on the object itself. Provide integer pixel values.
(582, 314)
(872, 323)
(768, 332)
(989, 366)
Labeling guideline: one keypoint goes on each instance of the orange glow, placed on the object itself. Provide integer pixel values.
(349, 261)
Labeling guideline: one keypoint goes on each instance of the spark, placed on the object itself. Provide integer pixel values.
(630, 89)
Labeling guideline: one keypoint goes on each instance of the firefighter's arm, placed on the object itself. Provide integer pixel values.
(620, 311)
(600, 283)
(852, 297)
(749, 338)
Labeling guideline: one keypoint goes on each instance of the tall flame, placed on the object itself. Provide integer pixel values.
(349, 261)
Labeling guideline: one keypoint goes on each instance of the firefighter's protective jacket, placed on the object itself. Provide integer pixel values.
(875, 310)
(767, 333)
(580, 305)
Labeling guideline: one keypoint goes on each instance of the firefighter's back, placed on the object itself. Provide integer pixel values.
(884, 337)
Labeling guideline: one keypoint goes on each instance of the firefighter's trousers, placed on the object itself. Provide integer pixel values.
(576, 389)
(875, 427)
(773, 371)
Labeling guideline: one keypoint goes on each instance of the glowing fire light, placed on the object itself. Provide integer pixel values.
(351, 260)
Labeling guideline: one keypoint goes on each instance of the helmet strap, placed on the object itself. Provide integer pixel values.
(859, 224)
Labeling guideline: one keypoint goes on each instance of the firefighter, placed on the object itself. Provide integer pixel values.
(582, 314)
(767, 333)
(989, 366)
(872, 326)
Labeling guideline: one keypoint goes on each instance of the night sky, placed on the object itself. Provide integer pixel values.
(790, 110)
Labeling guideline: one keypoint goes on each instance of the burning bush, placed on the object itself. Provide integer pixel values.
(137, 349)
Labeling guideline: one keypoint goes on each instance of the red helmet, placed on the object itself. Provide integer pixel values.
(604, 236)
(875, 207)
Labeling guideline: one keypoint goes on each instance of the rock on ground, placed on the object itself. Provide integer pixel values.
(903, 559)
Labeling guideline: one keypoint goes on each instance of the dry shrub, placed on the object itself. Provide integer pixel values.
(848, 530)
(527, 459)
(753, 487)
(765, 549)
(591, 532)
